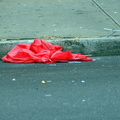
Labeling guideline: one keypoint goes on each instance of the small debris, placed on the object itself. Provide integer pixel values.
(73, 81)
(48, 95)
(83, 81)
(52, 64)
(83, 100)
(49, 81)
(43, 82)
(13, 79)
(112, 31)
(74, 62)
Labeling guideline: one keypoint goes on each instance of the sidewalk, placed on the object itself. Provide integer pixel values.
(86, 22)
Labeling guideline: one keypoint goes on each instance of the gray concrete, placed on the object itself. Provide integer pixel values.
(85, 91)
(36, 18)
(111, 8)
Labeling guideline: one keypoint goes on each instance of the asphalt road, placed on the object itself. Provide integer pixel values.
(73, 91)
(64, 18)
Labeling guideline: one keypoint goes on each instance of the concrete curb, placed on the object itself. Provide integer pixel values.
(95, 46)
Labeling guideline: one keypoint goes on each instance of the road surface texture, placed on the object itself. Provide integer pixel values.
(73, 91)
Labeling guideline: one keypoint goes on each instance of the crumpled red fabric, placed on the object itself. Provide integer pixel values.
(41, 52)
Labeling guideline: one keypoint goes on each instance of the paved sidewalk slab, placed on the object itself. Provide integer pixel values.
(35, 18)
(112, 7)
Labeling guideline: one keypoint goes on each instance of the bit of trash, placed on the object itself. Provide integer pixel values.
(112, 31)
(13, 79)
(107, 29)
(48, 95)
(55, 30)
(49, 81)
(83, 81)
(40, 51)
(43, 82)
(74, 62)
(52, 65)
(83, 100)
(73, 81)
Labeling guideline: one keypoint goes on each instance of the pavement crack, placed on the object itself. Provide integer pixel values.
(105, 12)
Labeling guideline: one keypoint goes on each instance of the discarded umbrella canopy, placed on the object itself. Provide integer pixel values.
(41, 52)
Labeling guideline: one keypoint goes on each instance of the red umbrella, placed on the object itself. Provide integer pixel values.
(41, 51)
